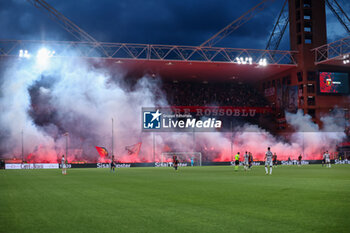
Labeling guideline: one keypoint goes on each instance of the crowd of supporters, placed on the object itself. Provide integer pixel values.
(218, 94)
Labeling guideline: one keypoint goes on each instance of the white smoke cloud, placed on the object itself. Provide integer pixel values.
(82, 100)
(314, 140)
(307, 139)
(74, 96)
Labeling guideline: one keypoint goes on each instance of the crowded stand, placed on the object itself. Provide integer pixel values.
(218, 94)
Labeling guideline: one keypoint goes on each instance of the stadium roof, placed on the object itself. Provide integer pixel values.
(198, 71)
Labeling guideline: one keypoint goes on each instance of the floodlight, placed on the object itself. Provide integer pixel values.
(24, 53)
(43, 56)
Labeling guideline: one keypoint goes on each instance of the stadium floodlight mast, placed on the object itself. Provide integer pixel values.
(22, 147)
(154, 147)
(346, 59)
(66, 134)
(112, 136)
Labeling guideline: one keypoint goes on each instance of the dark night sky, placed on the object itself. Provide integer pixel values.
(182, 22)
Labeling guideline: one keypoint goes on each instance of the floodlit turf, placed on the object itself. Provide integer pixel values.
(200, 199)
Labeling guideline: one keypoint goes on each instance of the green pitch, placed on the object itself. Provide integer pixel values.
(200, 199)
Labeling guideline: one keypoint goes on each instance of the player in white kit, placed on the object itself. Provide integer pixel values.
(268, 161)
(327, 159)
(63, 164)
(246, 161)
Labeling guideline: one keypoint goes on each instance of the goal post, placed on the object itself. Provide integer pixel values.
(183, 155)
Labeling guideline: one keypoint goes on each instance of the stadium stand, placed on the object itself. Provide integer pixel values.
(219, 94)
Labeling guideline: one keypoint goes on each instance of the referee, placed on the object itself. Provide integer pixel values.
(236, 161)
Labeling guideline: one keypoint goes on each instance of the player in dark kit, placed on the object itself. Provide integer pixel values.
(112, 164)
(299, 160)
(176, 163)
(250, 160)
(174, 158)
(274, 158)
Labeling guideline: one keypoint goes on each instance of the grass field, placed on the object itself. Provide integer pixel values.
(200, 199)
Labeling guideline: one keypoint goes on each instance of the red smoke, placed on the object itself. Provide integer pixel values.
(209, 153)
(217, 156)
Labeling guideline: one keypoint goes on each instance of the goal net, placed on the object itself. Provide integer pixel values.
(183, 157)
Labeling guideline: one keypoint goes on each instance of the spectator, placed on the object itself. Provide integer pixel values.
(202, 94)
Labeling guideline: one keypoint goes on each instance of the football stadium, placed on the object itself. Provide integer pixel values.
(196, 116)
